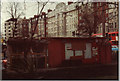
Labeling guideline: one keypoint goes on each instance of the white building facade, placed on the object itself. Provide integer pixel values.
(71, 19)
(8, 29)
(11, 28)
(63, 20)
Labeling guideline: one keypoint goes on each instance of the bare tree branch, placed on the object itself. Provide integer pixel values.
(13, 9)
(88, 16)
(43, 5)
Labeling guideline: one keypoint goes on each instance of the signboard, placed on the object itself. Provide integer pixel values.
(68, 51)
(78, 53)
(88, 50)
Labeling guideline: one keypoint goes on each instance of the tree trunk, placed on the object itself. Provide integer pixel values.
(28, 61)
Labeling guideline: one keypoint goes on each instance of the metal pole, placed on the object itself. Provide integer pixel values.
(108, 19)
(58, 24)
(78, 20)
(45, 23)
(103, 23)
(64, 24)
(31, 31)
(38, 7)
(95, 21)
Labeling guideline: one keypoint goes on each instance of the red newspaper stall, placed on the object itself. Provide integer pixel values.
(86, 50)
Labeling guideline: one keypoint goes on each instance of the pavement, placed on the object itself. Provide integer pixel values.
(83, 71)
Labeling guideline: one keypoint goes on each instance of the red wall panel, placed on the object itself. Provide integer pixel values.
(55, 53)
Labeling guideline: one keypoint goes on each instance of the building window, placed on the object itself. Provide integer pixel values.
(97, 4)
(115, 25)
(106, 18)
(79, 11)
(106, 11)
(80, 18)
(100, 4)
(115, 13)
(115, 4)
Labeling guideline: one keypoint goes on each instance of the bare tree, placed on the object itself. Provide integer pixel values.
(28, 61)
(14, 10)
(43, 4)
(88, 18)
(14, 13)
(91, 18)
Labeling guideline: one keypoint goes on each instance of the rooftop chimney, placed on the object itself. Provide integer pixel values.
(43, 13)
(70, 2)
(49, 10)
(34, 15)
